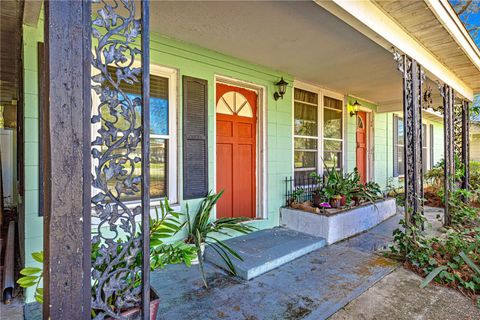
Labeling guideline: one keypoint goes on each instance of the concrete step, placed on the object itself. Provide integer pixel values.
(265, 250)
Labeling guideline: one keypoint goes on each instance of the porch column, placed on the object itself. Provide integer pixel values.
(67, 157)
(465, 133)
(413, 78)
(449, 145)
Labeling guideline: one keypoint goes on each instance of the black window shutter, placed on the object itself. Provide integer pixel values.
(395, 146)
(195, 138)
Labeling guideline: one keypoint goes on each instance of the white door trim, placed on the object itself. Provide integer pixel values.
(261, 145)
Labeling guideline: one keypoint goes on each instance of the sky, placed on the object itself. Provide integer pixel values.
(470, 18)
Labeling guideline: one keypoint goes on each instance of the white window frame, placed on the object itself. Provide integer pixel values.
(340, 97)
(172, 151)
(320, 116)
(427, 160)
(400, 117)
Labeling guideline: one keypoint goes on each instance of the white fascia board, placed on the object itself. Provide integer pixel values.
(447, 16)
(368, 19)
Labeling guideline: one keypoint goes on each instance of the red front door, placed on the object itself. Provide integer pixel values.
(236, 151)
(362, 146)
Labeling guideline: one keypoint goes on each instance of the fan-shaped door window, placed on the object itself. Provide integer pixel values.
(360, 123)
(234, 103)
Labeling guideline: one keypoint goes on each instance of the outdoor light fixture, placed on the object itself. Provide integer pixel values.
(355, 106)
(282, 88)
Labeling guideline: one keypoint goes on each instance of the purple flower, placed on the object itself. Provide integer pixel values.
(325, 205)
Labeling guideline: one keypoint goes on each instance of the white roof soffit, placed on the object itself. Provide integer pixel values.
(367, 18)
(445, 13)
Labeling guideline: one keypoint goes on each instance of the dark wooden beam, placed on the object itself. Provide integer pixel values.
(466, 144)
(145, 6)
(67, 213)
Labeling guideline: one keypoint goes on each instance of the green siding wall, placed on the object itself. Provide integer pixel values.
(33, 222)
(193, 61)
(188, 60)
(438, 145)
(382, 142)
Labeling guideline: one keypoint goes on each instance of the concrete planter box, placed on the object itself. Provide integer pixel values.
(341, 225)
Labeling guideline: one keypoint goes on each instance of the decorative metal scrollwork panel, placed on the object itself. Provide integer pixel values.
(466, 143)
(448, 119)
(117, 152)
(457, 127)
(413, 78)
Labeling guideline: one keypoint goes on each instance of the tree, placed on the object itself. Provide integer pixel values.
(469, 12)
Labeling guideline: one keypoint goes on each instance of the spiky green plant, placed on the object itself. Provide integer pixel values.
(202, 229)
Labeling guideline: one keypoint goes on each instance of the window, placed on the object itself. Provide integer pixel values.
(162, 132)
(398, 147)
(333, 133)
(424, 148)
(432, 158)
(318, 133)
(305, 133)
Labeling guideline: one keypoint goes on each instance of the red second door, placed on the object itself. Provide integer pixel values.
(362, 146)
(236, 151)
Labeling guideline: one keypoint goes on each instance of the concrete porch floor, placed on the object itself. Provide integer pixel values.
(314, 286)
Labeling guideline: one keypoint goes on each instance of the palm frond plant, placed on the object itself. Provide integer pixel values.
(202, 230)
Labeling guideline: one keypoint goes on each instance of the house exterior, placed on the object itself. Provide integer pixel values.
(342, 106)
(475, 141)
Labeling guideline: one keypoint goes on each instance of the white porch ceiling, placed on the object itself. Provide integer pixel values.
(296, 37)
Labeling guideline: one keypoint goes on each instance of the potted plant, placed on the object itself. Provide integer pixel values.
(318, 196)
(336, 188)
(296, 196)
(203, 230)
(369, 191)
(163, 226)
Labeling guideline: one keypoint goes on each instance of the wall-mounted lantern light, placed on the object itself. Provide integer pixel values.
(282, 88)
(355, 107)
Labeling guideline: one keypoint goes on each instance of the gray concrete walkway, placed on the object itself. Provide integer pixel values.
(398, 296)
(314, 286)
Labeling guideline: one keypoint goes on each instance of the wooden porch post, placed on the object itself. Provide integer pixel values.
(413, 78)
(67, 180)
(449, 170)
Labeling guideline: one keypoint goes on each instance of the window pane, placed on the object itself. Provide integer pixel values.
(303, 178)
(332, 103)
(305, 143)
(305, 120)
(158, 100)
(401, 165)
(424, 135)
(401, 132)
(306, 96)
(305, 159)
(333, 145)
(332, 159)
(424, 160)
(158, 169)
(332, 124)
